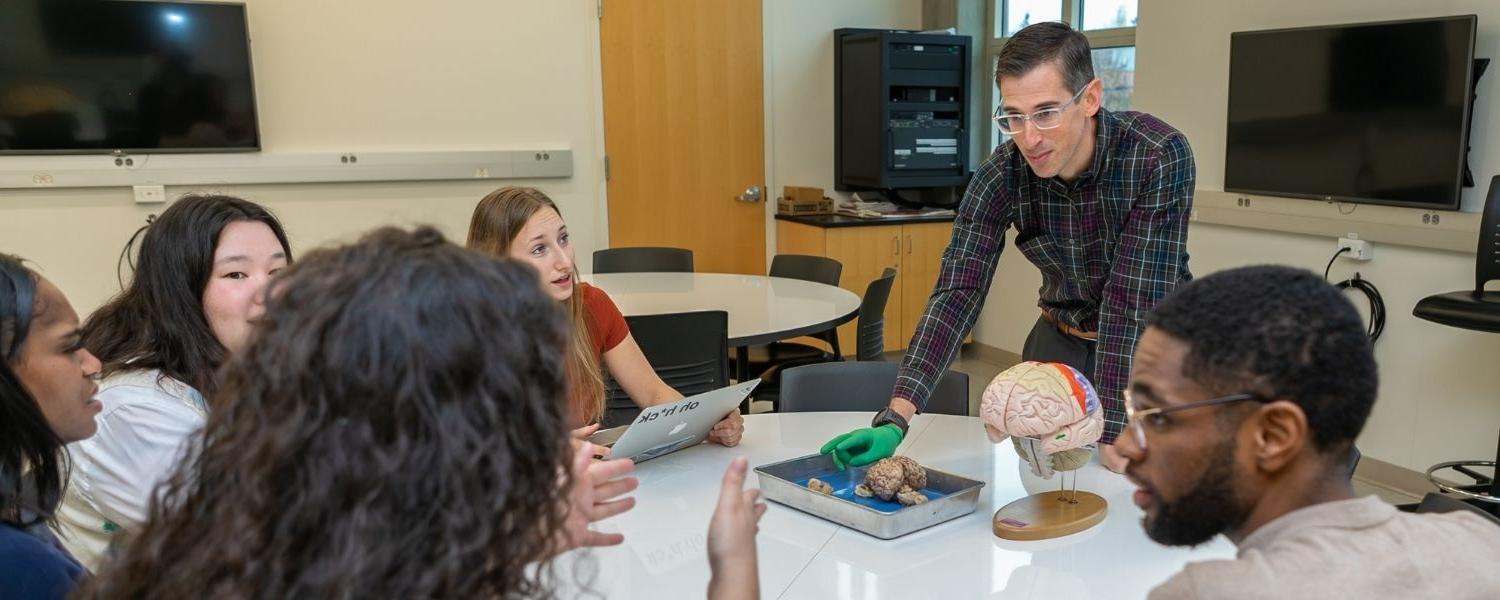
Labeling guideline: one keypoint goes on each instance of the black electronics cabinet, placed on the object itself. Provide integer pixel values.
(901, 108)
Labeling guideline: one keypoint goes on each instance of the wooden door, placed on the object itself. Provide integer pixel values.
(865, 253)
(683, 128)
(922, 247)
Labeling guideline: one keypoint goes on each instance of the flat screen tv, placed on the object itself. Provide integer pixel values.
(97, 76)
(1371, 112)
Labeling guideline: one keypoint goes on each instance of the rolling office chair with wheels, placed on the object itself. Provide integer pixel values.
(1474, 309)
(1435, 502)
(643, 260)
(1478, 310)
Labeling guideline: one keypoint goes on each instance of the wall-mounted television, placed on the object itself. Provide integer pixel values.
(1370, 112)
(99, 76)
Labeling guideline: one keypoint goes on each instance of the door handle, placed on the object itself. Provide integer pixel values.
(752, 194)
(908, 245)
(896, 246)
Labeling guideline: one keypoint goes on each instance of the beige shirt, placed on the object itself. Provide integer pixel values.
(1360, 548)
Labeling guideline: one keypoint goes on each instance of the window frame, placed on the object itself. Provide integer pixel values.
(1072, 14)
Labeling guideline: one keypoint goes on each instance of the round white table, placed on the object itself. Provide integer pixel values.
(802, 556)
(761, 309)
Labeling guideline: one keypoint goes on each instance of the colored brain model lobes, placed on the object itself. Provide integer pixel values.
(1048, 409)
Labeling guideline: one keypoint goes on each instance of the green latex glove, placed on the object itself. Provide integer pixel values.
(863, 446)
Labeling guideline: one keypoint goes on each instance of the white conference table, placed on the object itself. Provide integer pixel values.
(802, 556)
(761, 309)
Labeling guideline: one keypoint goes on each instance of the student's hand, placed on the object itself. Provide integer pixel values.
(597, 487)
(728, 431)
(863, 446)
(581, 441)
(1112, 459)
(583, 433)
(731, 537)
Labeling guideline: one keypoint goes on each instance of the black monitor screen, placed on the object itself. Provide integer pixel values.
(92, 76)
(1364, 113)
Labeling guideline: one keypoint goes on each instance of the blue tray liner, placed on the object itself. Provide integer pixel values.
(843, 483)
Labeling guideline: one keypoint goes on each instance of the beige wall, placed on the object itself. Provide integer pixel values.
(799, 82)
(1440, 388)
(362, 75)
(478, 74)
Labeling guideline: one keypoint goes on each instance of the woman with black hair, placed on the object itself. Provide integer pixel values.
(198, 287)
(46, 400)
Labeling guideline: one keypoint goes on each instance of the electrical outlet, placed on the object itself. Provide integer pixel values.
(1358, 249)
(150, 194)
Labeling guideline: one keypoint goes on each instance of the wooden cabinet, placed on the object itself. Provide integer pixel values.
(915, 250)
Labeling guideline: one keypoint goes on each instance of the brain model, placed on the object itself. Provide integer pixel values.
(1050, 412)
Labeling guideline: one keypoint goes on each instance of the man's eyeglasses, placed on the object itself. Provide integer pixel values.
(1047, 118)
(1137, 419)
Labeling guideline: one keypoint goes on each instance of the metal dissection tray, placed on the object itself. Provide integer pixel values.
(949, 497)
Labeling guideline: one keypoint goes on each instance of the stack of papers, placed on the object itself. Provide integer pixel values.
(882, 209)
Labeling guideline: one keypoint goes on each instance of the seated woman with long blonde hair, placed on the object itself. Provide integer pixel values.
(523, 223)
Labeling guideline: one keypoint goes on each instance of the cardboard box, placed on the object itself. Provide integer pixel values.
(799, 193)
(788, 206)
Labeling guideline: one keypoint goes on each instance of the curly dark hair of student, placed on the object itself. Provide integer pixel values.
(1278, 332)
(157, 321)
(33, 468)
(393, 430)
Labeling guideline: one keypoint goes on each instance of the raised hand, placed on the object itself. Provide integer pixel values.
(731, 537)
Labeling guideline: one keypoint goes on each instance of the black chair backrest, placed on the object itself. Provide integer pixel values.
(869, 335)
(1435, 502)
(817, 269)
(1487, 259)
(863, 386)
(689, 351)
(643, 260)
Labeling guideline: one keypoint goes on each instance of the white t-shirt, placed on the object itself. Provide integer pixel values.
(144, 428)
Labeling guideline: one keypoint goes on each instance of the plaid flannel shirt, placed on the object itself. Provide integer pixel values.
(1108, 244)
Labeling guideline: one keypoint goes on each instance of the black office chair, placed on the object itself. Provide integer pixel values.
(869, 331)
(817, 269)
(1435, 502)
(869, 328)
(869, 341)
(643, 260)
(1478, 310)
(689, 351)
(863, 386)
(1474, 309)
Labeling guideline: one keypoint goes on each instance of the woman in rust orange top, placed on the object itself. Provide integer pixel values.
(524, 224)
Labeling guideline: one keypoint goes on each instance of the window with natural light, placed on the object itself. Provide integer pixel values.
(1109, 25)
(1108, 14)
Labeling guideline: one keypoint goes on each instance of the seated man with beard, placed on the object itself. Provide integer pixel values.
(1243, 425)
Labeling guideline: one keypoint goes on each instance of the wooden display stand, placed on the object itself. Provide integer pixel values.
(1049, 515)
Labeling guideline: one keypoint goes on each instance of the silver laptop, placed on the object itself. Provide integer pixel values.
(667, 428)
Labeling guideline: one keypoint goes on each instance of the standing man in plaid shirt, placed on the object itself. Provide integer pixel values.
(1100, 203)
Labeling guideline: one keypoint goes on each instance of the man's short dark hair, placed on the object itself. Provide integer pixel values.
(1041, 43)
(1278, 332)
